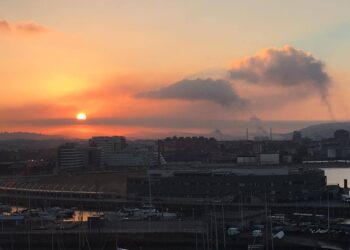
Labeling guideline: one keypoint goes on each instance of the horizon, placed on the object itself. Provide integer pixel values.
(256, 130)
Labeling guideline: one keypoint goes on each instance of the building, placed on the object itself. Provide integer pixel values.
(110, 147)
(297, 137)
(72, 156)
(135, 159)
(341, 134)
(246, 160)
(254, 184)
(331, 153)
(109, 144)
(186, 149)
(95, 157)
(269, 159)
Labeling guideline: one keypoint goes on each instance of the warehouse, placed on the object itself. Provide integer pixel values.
(277, 184)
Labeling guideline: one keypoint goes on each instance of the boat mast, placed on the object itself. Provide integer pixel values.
(266, 222)
(328, 211)
(223, 224)
(149, 187)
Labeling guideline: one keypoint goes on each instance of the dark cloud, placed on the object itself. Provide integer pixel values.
(284, 67)
(217, 91)
(22, 27)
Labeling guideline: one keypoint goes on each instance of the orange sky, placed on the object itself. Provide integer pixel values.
(114, 60)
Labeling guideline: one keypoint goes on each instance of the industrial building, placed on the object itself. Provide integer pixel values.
(276, 184)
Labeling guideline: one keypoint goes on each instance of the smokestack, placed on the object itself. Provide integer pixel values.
(270, 134)
(345, 183)
(247, 134)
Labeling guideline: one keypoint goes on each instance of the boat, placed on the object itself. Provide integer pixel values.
(67, 225)
(61, 212)
(5, 208)
(168, 216)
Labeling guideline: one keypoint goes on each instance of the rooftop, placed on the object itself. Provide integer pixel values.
(238, 171)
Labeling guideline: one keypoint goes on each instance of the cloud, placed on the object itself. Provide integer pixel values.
(22, 27)
(4, 26)
(286, 67)
(30, 27)
(217, 91)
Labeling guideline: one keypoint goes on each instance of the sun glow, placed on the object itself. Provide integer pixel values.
(81, 116)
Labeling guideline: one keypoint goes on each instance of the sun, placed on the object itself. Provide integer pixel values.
(81, 116)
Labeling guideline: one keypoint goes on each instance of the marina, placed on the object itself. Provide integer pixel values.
(140, 227)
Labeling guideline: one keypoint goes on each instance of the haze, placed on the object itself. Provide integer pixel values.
(139, 67)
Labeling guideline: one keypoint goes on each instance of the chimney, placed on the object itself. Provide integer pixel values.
(345, 183)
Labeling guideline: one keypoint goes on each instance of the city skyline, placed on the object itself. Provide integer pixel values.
(156, 66)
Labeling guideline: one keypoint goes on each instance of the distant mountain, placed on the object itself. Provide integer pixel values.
(5, 136)
(322, 131)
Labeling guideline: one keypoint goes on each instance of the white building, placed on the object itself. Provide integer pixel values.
(246, 160)
(72, 156)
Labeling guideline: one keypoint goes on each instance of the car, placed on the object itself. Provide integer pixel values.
(257, 233)
(232, 231)
(345, 198)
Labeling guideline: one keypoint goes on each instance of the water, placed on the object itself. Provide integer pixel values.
(337, 175)
(78, 215)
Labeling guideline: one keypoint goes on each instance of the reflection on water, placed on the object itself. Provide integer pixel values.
(83, 215)
(78, 215)
(337, 175)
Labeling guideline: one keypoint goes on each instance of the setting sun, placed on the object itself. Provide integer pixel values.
(81, 116)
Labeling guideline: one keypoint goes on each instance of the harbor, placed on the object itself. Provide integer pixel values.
(44, 217)
(147, 227)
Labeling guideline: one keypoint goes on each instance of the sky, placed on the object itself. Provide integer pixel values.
(156, 67)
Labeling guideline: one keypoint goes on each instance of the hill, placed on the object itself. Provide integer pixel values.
(323, 130)
(6, 136)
